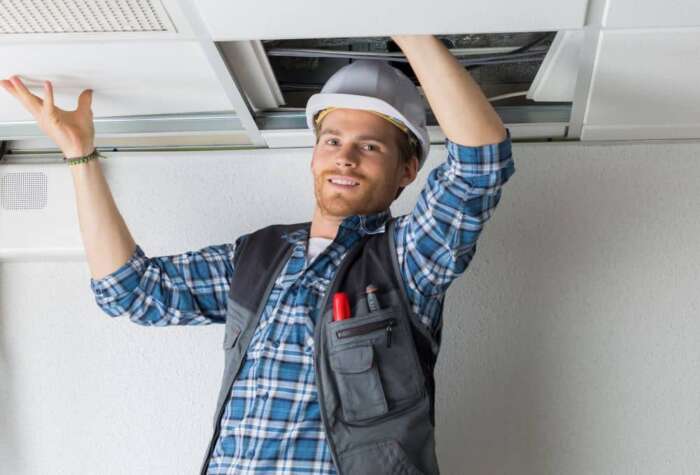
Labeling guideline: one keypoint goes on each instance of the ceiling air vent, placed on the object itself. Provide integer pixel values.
(23, 190)
(82, 16)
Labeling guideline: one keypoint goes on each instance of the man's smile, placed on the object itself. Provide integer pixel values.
(343, 182)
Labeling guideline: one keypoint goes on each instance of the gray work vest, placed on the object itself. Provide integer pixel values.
(374, 371)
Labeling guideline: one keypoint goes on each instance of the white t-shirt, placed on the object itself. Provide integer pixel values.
(316, 246)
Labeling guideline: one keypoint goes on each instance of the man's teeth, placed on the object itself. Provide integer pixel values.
(343, 182)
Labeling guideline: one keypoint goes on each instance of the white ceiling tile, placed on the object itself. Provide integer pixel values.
(556, 79)
(648, 81)
(127, 77)
(650, 13)
(282, 19)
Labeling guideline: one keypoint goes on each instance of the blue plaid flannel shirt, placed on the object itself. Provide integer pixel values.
(271, 422)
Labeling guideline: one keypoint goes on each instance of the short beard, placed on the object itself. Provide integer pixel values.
(337, 205)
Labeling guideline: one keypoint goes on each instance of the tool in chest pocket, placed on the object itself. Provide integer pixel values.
(341, 306)
(341, 311)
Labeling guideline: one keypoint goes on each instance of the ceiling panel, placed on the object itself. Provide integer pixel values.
(556, 78)
(282, 19)
(645, 86)
(635, 13)
(128, 77)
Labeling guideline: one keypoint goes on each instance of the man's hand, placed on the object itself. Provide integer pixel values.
(465, 115)
(72, 131)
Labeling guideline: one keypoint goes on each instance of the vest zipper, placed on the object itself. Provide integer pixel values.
(387, 324)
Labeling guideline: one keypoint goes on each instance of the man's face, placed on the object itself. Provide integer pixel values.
(360, 146)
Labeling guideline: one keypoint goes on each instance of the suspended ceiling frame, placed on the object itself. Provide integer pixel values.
(589, 51)
(226, 76)
(263, 129)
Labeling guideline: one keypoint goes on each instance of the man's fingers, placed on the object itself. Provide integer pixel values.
(30, 100)
(7, 85)
(85, 100)
(48, 96)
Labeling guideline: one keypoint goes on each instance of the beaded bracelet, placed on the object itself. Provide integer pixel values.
(93, 155)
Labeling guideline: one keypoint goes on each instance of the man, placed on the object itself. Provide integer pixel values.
(304, 391)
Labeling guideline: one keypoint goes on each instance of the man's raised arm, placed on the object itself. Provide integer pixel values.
(437, 240)
(465, 115)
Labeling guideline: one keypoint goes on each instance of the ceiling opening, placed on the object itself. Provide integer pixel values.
(503, 64)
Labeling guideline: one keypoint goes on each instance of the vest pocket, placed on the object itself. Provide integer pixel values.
(385, 456)
(387, 332)
(360, 388)
(236, 322)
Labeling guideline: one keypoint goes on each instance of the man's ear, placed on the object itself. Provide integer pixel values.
(409, 172)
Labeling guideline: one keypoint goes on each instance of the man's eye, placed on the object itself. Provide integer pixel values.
(372, 148)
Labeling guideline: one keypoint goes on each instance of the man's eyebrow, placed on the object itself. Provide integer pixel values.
(361, 137)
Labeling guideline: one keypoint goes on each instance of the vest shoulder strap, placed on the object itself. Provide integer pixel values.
(256, 257)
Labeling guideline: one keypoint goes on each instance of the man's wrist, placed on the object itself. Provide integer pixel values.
(77, 152)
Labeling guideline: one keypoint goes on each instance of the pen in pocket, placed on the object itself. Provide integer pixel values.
(372, 300)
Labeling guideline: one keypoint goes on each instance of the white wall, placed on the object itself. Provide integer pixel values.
(570, 344)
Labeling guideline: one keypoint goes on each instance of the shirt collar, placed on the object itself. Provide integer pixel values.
(373, 223)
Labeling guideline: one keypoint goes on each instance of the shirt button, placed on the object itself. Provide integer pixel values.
(249, 453)
(275, 343)
(309, 345)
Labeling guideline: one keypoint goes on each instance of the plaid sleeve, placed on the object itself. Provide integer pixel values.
(437, 240)
(181, 289)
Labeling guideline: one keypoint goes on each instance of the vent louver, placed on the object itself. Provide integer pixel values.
(82, 16)
(23, 190)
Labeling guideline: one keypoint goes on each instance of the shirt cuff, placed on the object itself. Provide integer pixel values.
(479, 159)
(122, 281)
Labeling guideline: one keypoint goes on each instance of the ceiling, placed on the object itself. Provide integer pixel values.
(184, 73)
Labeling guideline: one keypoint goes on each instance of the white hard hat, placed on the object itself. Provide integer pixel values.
(374, 86)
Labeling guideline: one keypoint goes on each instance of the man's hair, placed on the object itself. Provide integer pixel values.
(408, 147)
(407, 144)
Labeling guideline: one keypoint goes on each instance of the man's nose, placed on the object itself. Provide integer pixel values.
(345, 163)
(346, 158)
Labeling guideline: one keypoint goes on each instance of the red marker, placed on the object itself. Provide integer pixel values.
(341, 306)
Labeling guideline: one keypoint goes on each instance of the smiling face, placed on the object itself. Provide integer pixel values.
(359, 148)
